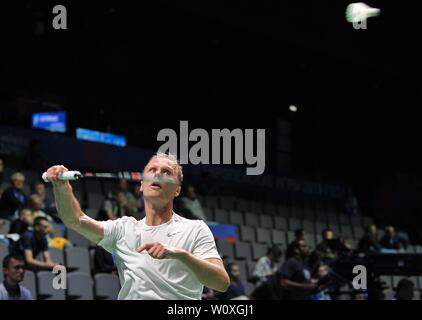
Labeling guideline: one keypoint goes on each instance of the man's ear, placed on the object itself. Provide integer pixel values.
(142, 186)
(178, 191)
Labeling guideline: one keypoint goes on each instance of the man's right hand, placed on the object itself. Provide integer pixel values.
(53, 174)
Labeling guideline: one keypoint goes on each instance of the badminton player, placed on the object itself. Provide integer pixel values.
(162, 256)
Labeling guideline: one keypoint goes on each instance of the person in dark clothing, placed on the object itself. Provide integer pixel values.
(270, 289)
(115, 208)
(103, 261)
(369, 242)
(391, 240)
(295, 275)
(48, 206)
(236, 288)
(331, 248)
(35, 242)
(13, 198)
(299, 235)
(14, 272)
(25, 221)
(405, 290)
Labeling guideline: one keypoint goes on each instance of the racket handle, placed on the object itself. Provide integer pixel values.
(68, 175)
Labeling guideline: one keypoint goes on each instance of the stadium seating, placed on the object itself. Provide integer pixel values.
(29, 282)
(46, 291)
(4, 226)
(80, 286)
(77, 259)
(107, 286)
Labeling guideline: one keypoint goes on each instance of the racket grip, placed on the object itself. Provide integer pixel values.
(65, 176)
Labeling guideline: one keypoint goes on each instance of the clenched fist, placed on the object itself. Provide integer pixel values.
(54, 172)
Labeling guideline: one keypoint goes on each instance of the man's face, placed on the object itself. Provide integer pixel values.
(160, 168)
(36, 203)
(303, 248)
(373, 229)
(15, 271)
(235, 271)
(390, 231)
(121, 199)
(18, 182)
(43, 227)
(329, 235)
(27, 217)
(322, 271)
(40, 189)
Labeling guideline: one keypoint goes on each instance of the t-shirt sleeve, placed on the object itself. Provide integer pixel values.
(44, 244)
(25, 242)
(205, 247)
(113, 231)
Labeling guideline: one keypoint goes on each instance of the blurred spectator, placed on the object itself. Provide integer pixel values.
(405, 290)
(369, 242)
(36, 204)
(295, 275)
(391, 240)
(139, 201)
(404, 237)
(299, 235)
(190, 206)
(114, 208)
(321, 274)
(14, 272)
(267, 265)
(359, 295)
(208, 294)
(326, 247)
(32, 243)
(135, 203)
(103, 261)
(351, 205)
(331, 248)
(123, 185)
(270, 289)
(23, 223)
(13, 198)
(236, 289)
(48, 206)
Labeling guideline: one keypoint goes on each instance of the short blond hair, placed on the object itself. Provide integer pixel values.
(173, 159)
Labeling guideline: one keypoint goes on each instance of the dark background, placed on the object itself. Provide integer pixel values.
(135, 68)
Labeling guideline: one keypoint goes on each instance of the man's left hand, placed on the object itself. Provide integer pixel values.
(161, 251)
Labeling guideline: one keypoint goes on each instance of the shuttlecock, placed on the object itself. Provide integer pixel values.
(359, 11)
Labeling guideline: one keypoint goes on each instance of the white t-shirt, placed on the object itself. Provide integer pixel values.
(145, 278)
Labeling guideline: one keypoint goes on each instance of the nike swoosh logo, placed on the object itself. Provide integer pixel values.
(172, 234)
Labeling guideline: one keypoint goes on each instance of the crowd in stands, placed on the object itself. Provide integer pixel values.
(295, 272)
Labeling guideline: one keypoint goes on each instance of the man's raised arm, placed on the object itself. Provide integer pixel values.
(69, 209)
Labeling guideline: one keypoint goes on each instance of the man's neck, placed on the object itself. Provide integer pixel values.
(157, 214)
(11, 284)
